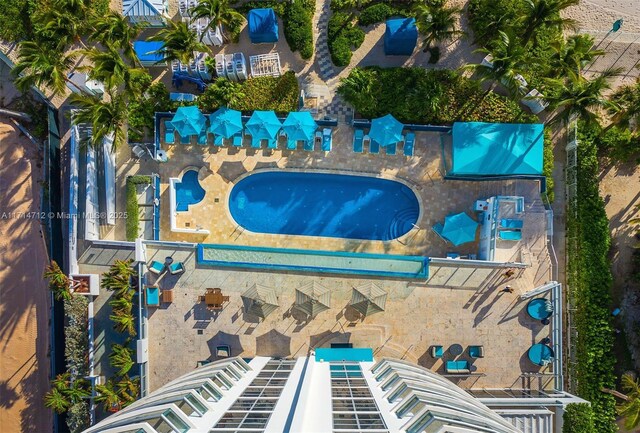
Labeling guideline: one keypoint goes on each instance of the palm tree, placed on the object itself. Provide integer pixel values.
(118, 284)
(108, 396)
(508, 59)
(579, 97)
(626, 106)
(124, 322)
(63, 26)
(109, 67)
(107, 117)
(128, 389)
(41, 66)
(226, 92)
(630, 409)
(437, 23)
(59, 283)
(122, 303)
(56, 400)
(116, 31)
(77, 390)
(180, 42)
(357, 86)
(572, 55)
(121, 358)
(220, 14)
(546, 13)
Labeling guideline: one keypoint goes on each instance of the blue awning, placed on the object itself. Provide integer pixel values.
(386, 130)
(189, 121)
(497, 149)
(225, 122)
(400, 37)
(263, 125)
(263, 26)
(459, 229)
(299, 125)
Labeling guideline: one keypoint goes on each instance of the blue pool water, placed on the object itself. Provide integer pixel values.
(188, 191)
(318, 204)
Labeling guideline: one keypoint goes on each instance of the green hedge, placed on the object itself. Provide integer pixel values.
(417, 95)
(578, 418)
(378, 13)
(488, 17)
(590, 279)
(76, 335)
(547, 168)
(343, 36)
(132, 205)
(298, 29)
(141, 115)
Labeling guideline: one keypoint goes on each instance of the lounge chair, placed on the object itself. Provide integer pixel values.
(437, 352)
(176, 268)
(185, 140)
(317, 139)
(358, 145)
(391, 149)
(374, 147)
(327, 139)
(152, 295)
(218, 140)
(256, 143)
(203, 363)
(511, 223)
(223, 351)
(437, 229)
(202, 138)
(237, 140)
(476, 351)
(409, 141)
(457, 367)
(272, 143)
(510, 235)
(156, 267)
(169, 132)
(309, 145)
(292, 144)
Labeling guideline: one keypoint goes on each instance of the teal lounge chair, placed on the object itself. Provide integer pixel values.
(169, 132)
(437, 352)
(476, 351)
(457, 367)
(437, 228)
(176, 268)
(256, 143)
(185, 140)
(327, 139)
(374, 147)
(358, 145)
(391, 149)
(152, 296)
(156, 267)
(511, 223)
(218, 140)
(272, 143)
(309, 145)
(292, 144)
(409, 141)
(237, 140)
(510, 235)
(202, 138)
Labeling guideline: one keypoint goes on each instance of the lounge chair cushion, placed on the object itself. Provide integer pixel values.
(510, 235)
(511, 223)
(374, 147)
(237, 140)
(437, 351)
(409, 141)
(176, 268)
(152, 296)
(476, 351)
(358, 144)
(391, 149)
(458, 367)
(218, 140)
(156, 267)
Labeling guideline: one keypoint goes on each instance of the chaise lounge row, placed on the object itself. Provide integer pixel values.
(360, 140)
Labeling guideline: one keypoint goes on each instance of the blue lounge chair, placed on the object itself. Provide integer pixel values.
(391, 149)
(185, 140)
(202, 138)
(457, 367)
(511, 223)
(510, 235)
(437, 228)
(437, 352)
(476, 351)
(272, 143)
(292, 144)
(327, 139)
(309, 145)
(153, 296)
(374, 147)
(256, 143)
(358, 145)
(218, 140)
(169, 132)
(156, 267)
(237, 140)
(176, 268)
(409, 141)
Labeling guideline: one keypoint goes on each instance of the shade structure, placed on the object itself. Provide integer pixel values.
(313, 298)
(259, 301)
(299, 125)
(189, 121)
(263, 26)
(386, 130)
(368, 299)
(225, 122)
(459, 228)
(263, 125)
(400, 37)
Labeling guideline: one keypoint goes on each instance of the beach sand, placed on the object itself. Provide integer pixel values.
(24, 296)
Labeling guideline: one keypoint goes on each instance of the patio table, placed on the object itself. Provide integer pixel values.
(456, 349)
(540, 354)
(213, 298)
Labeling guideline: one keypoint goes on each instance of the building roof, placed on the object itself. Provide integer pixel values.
(142, 8)
(497, 149)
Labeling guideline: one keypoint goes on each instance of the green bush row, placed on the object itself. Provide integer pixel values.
(378, 13)
(343, 36)
(547, 167)
(76, 336)
(578, 418)
(590, 279)
(298, 28)
(133, 211)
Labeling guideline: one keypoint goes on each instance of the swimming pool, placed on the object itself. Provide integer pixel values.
(188, 191)
(321, 204)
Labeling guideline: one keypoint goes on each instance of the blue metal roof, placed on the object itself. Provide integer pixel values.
(142, 8)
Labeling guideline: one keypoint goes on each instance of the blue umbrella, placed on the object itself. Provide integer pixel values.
(263, 125)
(386, 130)
(189, 121)
(459, 228)
(225, 122)
(299, 125)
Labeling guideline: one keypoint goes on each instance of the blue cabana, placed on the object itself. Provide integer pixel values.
(497, 149)
(149, 52)
(299, 125)
(189, 121)
(400, 37)
(225, 122)
(386, 130)
(459, 229)
(263, 125)
(263, 26)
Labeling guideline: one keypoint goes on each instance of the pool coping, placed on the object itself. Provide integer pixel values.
(423, 274)
(411, 232)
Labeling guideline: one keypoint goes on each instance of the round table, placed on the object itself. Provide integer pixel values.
(537, 308)
(456, 349)
(540, 354)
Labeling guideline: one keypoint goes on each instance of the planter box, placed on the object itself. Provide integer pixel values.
(89, 284)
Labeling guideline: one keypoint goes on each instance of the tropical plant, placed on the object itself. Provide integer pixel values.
(124, 322)
(625, 110)
(54, 399)
(179, 42)
(541, 14)
(77, 390)
(109, 67)
(42, 66)
(630, 408)
(121, 358)
(65, 392)
(59, 283)
(63, 26)
(116, 31)
(106, 116)
(572, 55)
(437, 23)
(108, 396)
(220, 14)
(228, 92)
(357, 86)
(122, 303)
(128, 389)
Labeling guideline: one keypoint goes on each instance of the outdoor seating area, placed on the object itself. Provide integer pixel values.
(457, 229)
(214, 299)
(385, 133)
(169, 265)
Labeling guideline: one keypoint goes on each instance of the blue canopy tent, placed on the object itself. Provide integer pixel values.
(263, 26)
(400, 37)
(459, 229)
(497, 149)
(189, 121)
(225, 122)
(149, 52)
(263, 125)
(299, 125)
(386, 130)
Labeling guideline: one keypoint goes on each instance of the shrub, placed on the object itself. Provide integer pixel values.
(578, 418)
(488, 17)
(154, 98)
(377, 13)
(298, 29)
(277, 6)
(619, 144)
(76, 336)
(547, 167)
(16, 12)
(132, 205)
(78, 417)
(343, 37)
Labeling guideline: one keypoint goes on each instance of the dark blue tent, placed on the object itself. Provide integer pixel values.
(263, 26)
(400, 37)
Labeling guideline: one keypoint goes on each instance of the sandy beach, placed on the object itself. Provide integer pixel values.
(24, 296)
